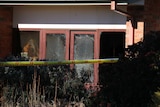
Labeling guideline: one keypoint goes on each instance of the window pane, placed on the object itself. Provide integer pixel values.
(84, 49)
(55, 46)
(30, 43)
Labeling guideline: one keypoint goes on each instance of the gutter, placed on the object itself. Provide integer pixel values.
(48, 3)
(114, 8)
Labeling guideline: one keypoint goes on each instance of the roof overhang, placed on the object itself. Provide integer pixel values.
(58, 2)
(66, 2)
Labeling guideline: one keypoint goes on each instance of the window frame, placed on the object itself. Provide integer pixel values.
(69, 51)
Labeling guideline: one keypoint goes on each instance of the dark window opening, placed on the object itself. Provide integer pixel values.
(16, 44)
(30, 43)
(112, 44)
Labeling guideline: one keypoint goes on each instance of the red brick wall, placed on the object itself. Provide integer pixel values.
(135, 24)
(5, 31)
(152, 15)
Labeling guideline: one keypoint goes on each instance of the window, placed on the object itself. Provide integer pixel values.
(30, 43)
(55, 46)
(59, 45)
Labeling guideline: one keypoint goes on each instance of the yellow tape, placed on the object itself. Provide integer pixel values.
(46, 63)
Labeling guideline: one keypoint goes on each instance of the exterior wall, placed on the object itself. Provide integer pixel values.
(59, 15)
(5, 31)
(66, 15)
(138, 2)
(152, 15)
(135, 24)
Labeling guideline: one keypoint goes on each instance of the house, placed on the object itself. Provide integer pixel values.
(71, 29)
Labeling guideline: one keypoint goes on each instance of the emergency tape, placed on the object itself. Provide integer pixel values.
(48, 63)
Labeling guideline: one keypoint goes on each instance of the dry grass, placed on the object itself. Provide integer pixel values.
(34, 96)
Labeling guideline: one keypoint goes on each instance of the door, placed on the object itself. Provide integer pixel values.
(82, 47)
(62, 45)
(112, 44)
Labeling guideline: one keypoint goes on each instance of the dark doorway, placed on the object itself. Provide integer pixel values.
(16, 45)
(112, 44)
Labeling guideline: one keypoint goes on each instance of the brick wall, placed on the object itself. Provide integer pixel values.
(5, 31)
(152, 15)
(135, 24)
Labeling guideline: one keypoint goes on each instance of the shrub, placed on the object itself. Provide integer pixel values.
(28, 86)
(136, 77)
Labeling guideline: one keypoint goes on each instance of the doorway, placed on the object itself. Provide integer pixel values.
(83, 47)
(112, 44)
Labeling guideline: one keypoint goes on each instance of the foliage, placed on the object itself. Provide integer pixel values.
(156, 99)
(42, 85)
(133, 81)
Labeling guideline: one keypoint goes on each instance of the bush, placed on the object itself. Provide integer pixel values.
(136, 77)
(28, 86)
